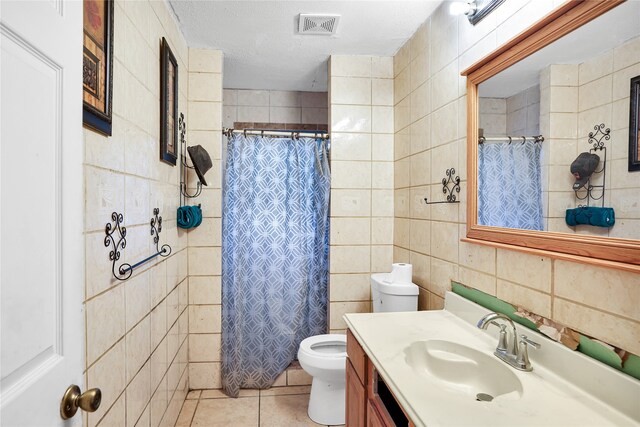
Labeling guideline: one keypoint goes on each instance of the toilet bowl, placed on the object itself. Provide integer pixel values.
(324, 358)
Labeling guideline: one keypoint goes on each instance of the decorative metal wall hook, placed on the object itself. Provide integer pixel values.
(450, 186)
(156, 228)
(598, 137)
(184, 167)
(588, 192)
(119, 242)
(185, 193)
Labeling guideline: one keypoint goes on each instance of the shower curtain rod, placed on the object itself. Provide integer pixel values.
(293, 134)
(510, 139)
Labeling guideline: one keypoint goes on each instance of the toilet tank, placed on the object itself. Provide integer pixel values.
(388, 297)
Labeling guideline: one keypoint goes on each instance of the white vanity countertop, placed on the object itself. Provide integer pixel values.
(548, 399)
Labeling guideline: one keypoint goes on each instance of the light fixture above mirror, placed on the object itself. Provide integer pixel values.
(475, 10)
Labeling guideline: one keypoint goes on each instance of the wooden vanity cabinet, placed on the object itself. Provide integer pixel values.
(374, 417)
(356, 392)
(356, 399)
(369, 402)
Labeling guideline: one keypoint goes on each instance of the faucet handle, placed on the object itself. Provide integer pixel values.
(524, 339)
(502, 340)
(522, 358)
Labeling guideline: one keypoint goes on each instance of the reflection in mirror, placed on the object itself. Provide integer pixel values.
(534, 120)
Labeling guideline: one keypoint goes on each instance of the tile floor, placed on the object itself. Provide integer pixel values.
(275, 407)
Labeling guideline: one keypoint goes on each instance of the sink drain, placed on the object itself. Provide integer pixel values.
(484, 397)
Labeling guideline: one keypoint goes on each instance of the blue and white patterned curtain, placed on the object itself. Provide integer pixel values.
(275, 255)
(509, 185)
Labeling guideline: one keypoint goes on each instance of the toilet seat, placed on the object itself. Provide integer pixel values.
(328, 351)
(325, 346)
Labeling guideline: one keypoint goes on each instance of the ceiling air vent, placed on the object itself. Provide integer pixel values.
(319, 24)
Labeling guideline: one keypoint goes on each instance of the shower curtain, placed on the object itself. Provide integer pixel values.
(510, 185)
(275, 255)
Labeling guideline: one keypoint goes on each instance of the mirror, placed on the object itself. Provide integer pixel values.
(548, 137)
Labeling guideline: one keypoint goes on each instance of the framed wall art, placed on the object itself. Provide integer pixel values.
(97, 65)
(168, 104)
(634, 125)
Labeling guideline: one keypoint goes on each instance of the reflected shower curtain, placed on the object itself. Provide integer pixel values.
(275, 251)
(510, 185)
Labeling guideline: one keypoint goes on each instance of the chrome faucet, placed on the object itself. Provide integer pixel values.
(517, 354)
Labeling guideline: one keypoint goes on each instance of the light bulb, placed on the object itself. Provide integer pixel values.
(462, 8)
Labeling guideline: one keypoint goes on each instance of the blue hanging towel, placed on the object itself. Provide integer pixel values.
(189, 216)
(600, 217)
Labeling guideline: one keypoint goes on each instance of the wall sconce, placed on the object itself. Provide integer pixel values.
(475, 10)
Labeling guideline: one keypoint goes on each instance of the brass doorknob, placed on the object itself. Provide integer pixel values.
(72, 400)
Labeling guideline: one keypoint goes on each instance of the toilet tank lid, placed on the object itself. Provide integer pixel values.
(397, 288)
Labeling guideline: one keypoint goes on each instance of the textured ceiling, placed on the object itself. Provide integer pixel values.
(262, 49)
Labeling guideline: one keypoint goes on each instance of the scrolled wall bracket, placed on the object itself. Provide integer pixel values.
(116, 237)
(588, 193)
(450, 186)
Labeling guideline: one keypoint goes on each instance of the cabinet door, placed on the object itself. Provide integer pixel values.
(356, 399)
(374, 419)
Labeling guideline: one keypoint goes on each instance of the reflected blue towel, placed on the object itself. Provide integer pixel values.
(189, 216)
(600, 217)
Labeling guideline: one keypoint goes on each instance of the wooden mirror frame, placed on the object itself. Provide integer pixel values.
(612, 252)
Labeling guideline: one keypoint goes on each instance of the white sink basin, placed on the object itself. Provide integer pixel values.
(462, 369)
(437, 362)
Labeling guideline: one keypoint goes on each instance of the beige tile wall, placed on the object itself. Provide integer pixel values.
(205, 265)
(558, 124)
(273, 106)
(430, 129)
(136, 330)
(492, 116)
(361, 125)
(516, 115)
(578, 98)
(523, 112)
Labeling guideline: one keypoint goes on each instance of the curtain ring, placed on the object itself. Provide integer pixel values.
(244, 131)
(509, 140)
(262, 133)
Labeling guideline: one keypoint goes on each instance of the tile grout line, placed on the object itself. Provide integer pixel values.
(259, 402)
(194, 409)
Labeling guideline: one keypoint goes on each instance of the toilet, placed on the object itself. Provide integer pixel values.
(389, 296)
(324, 357)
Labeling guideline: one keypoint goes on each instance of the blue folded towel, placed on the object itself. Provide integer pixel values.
(189, 216)
(600, 217)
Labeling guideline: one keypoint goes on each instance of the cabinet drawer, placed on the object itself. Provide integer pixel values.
(357, 357)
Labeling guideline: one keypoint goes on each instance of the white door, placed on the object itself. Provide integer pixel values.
(41, 210)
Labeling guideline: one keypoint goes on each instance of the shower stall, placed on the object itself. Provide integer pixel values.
(275, 250)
